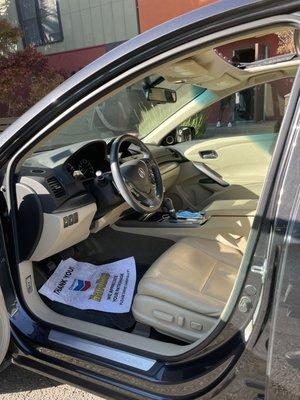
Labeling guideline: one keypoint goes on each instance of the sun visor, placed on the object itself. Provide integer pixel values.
(188, 68)
(224, 82)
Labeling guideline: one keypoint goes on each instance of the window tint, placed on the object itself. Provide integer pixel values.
(40, 20)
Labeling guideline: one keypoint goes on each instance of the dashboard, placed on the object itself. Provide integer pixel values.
(60, 198)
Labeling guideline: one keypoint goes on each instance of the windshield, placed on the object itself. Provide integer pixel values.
(132, 110)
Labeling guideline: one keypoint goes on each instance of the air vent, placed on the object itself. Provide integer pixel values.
(56, 187)
(38, 171)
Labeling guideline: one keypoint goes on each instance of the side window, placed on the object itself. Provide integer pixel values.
(40, 20)
(255, 110)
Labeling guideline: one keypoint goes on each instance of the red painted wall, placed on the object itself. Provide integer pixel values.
(270, 40)
(73, 60)
(155, 12)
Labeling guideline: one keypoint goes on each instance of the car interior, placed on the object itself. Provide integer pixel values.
(150, 172)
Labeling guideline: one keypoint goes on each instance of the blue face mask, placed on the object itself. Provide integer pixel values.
(189, 215)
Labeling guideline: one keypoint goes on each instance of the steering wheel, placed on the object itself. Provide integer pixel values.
(138, 180)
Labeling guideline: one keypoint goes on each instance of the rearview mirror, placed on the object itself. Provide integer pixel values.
(161, 95)
(185, 133)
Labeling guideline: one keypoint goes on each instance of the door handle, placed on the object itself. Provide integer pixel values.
(208, 154)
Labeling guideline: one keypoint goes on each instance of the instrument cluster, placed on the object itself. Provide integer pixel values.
(88, 160)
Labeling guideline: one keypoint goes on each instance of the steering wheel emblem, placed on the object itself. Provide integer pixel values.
(141, 173)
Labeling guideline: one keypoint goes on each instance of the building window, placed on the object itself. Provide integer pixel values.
(40, 21)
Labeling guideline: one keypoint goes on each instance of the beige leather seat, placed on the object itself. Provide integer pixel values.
(185, 290)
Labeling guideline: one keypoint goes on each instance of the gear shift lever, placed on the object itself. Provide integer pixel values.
(169, 208)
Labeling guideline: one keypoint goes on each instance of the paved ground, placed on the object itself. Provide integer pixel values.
(19, 384)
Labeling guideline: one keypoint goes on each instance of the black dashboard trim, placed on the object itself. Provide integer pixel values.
(30, 213)
(75, 202)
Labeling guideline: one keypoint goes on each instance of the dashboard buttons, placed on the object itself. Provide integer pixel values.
(70, 220)
(75, 215)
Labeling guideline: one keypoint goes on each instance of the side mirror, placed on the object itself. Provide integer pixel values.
(161, 95)
(184, 133)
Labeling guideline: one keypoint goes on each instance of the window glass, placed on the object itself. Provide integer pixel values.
(40, 20)
(128, 111)
(29, 21)
(255, 110)
(50, 21)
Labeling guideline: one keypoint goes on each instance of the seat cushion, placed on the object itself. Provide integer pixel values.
(195, 274)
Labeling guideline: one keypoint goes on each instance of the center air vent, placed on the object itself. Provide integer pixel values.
(56, 187)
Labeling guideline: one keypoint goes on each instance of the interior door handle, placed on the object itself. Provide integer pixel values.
(208, 154)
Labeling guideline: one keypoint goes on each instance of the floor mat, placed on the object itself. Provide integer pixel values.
(123, 321)
(106, 287)
(108, 245)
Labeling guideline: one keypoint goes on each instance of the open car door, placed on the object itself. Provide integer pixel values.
(283, 370)
(4, 330)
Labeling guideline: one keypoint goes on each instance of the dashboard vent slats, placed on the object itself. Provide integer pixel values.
(56, 187)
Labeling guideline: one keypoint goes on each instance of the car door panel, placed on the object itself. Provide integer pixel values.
(237, 168)
(186, 192)
(241, 160)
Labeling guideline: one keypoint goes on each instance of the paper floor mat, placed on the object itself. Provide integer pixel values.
(108, 287)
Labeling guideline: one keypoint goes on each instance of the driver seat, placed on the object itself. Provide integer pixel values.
(184, 292)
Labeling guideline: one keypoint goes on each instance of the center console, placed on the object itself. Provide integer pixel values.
(167, 218)
(230, 226)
